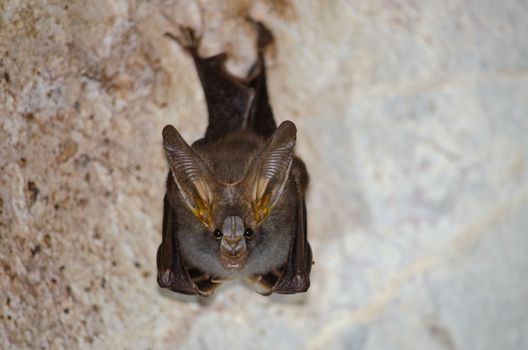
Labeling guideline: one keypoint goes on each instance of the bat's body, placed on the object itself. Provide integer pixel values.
(235, 200)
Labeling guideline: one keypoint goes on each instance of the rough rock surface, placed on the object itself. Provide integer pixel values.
(412, 119)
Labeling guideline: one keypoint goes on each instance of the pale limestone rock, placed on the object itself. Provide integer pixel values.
(412, 119)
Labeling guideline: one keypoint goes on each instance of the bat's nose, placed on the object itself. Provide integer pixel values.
(233, 241)
(233, 246)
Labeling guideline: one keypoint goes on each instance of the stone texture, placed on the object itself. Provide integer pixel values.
(412, 121)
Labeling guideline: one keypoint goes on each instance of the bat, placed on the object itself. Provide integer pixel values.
(235, 200)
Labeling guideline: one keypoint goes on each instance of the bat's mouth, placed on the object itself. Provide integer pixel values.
(233, 262)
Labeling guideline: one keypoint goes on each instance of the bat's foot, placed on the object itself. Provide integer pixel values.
(187, 39)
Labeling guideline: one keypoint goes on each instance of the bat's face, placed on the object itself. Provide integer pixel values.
(236, 216)
(236, 242)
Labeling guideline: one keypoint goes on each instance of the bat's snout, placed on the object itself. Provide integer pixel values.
(233, 249)
(233, 243)
(233, 246)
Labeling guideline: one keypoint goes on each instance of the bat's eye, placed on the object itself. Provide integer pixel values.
(248, 233)
(217, 234)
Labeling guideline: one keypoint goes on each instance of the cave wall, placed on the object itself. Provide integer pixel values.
(412, 122)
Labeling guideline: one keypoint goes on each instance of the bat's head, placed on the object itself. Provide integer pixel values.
(234, 227)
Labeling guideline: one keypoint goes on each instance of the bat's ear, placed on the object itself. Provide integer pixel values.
(191, 175)
(270, 170)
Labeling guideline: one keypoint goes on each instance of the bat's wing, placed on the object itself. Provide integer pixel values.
(172, 272)
(295, 278)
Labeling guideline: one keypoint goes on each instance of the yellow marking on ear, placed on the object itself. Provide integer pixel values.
(261, 208)
(203, 212)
